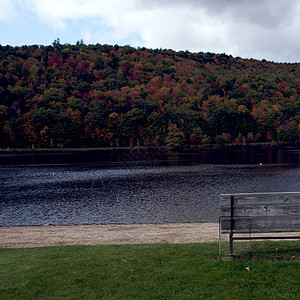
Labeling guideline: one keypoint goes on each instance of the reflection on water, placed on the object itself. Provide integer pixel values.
(110, 188)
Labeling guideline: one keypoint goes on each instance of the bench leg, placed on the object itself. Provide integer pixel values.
(231, 244)
(220, 251)
(231, 225)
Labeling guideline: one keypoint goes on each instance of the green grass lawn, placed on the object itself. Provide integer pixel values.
(161, 271)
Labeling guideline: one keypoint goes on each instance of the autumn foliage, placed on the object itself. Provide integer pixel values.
(100, 95)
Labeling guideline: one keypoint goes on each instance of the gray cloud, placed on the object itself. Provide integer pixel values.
(266, 13)
(258, 28)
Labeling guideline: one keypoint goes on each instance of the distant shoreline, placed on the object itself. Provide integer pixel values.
(165, 148)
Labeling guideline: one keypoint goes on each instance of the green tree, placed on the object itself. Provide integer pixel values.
(175, 137)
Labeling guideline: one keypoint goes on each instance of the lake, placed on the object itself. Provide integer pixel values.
(135, 186)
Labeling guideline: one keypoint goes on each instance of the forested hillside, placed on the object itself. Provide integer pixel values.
(101, 95)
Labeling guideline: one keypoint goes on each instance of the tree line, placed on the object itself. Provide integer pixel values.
(101, 95)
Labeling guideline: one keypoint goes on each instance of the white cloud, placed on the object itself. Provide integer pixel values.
(247, 28)
(58, 12)
(7, 11)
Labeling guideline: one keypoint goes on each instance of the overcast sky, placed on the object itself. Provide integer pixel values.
(258, 29)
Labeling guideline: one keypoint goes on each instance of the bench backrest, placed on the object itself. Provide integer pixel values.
(260, 212)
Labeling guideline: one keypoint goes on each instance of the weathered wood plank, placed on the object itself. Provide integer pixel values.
(267, 238)
(259, 224)
(260, 212)
(258, 198)
(282, 210)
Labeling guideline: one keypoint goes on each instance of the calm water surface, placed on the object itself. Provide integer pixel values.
(139, 186)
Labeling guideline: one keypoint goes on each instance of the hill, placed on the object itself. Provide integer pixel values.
(101, 95)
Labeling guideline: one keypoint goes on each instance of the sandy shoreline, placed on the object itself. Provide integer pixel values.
(38, 236)
(176, 233)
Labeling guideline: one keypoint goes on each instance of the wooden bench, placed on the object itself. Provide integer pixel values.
(258, 213)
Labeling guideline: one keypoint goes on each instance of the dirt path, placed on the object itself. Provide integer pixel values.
(17, 237)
